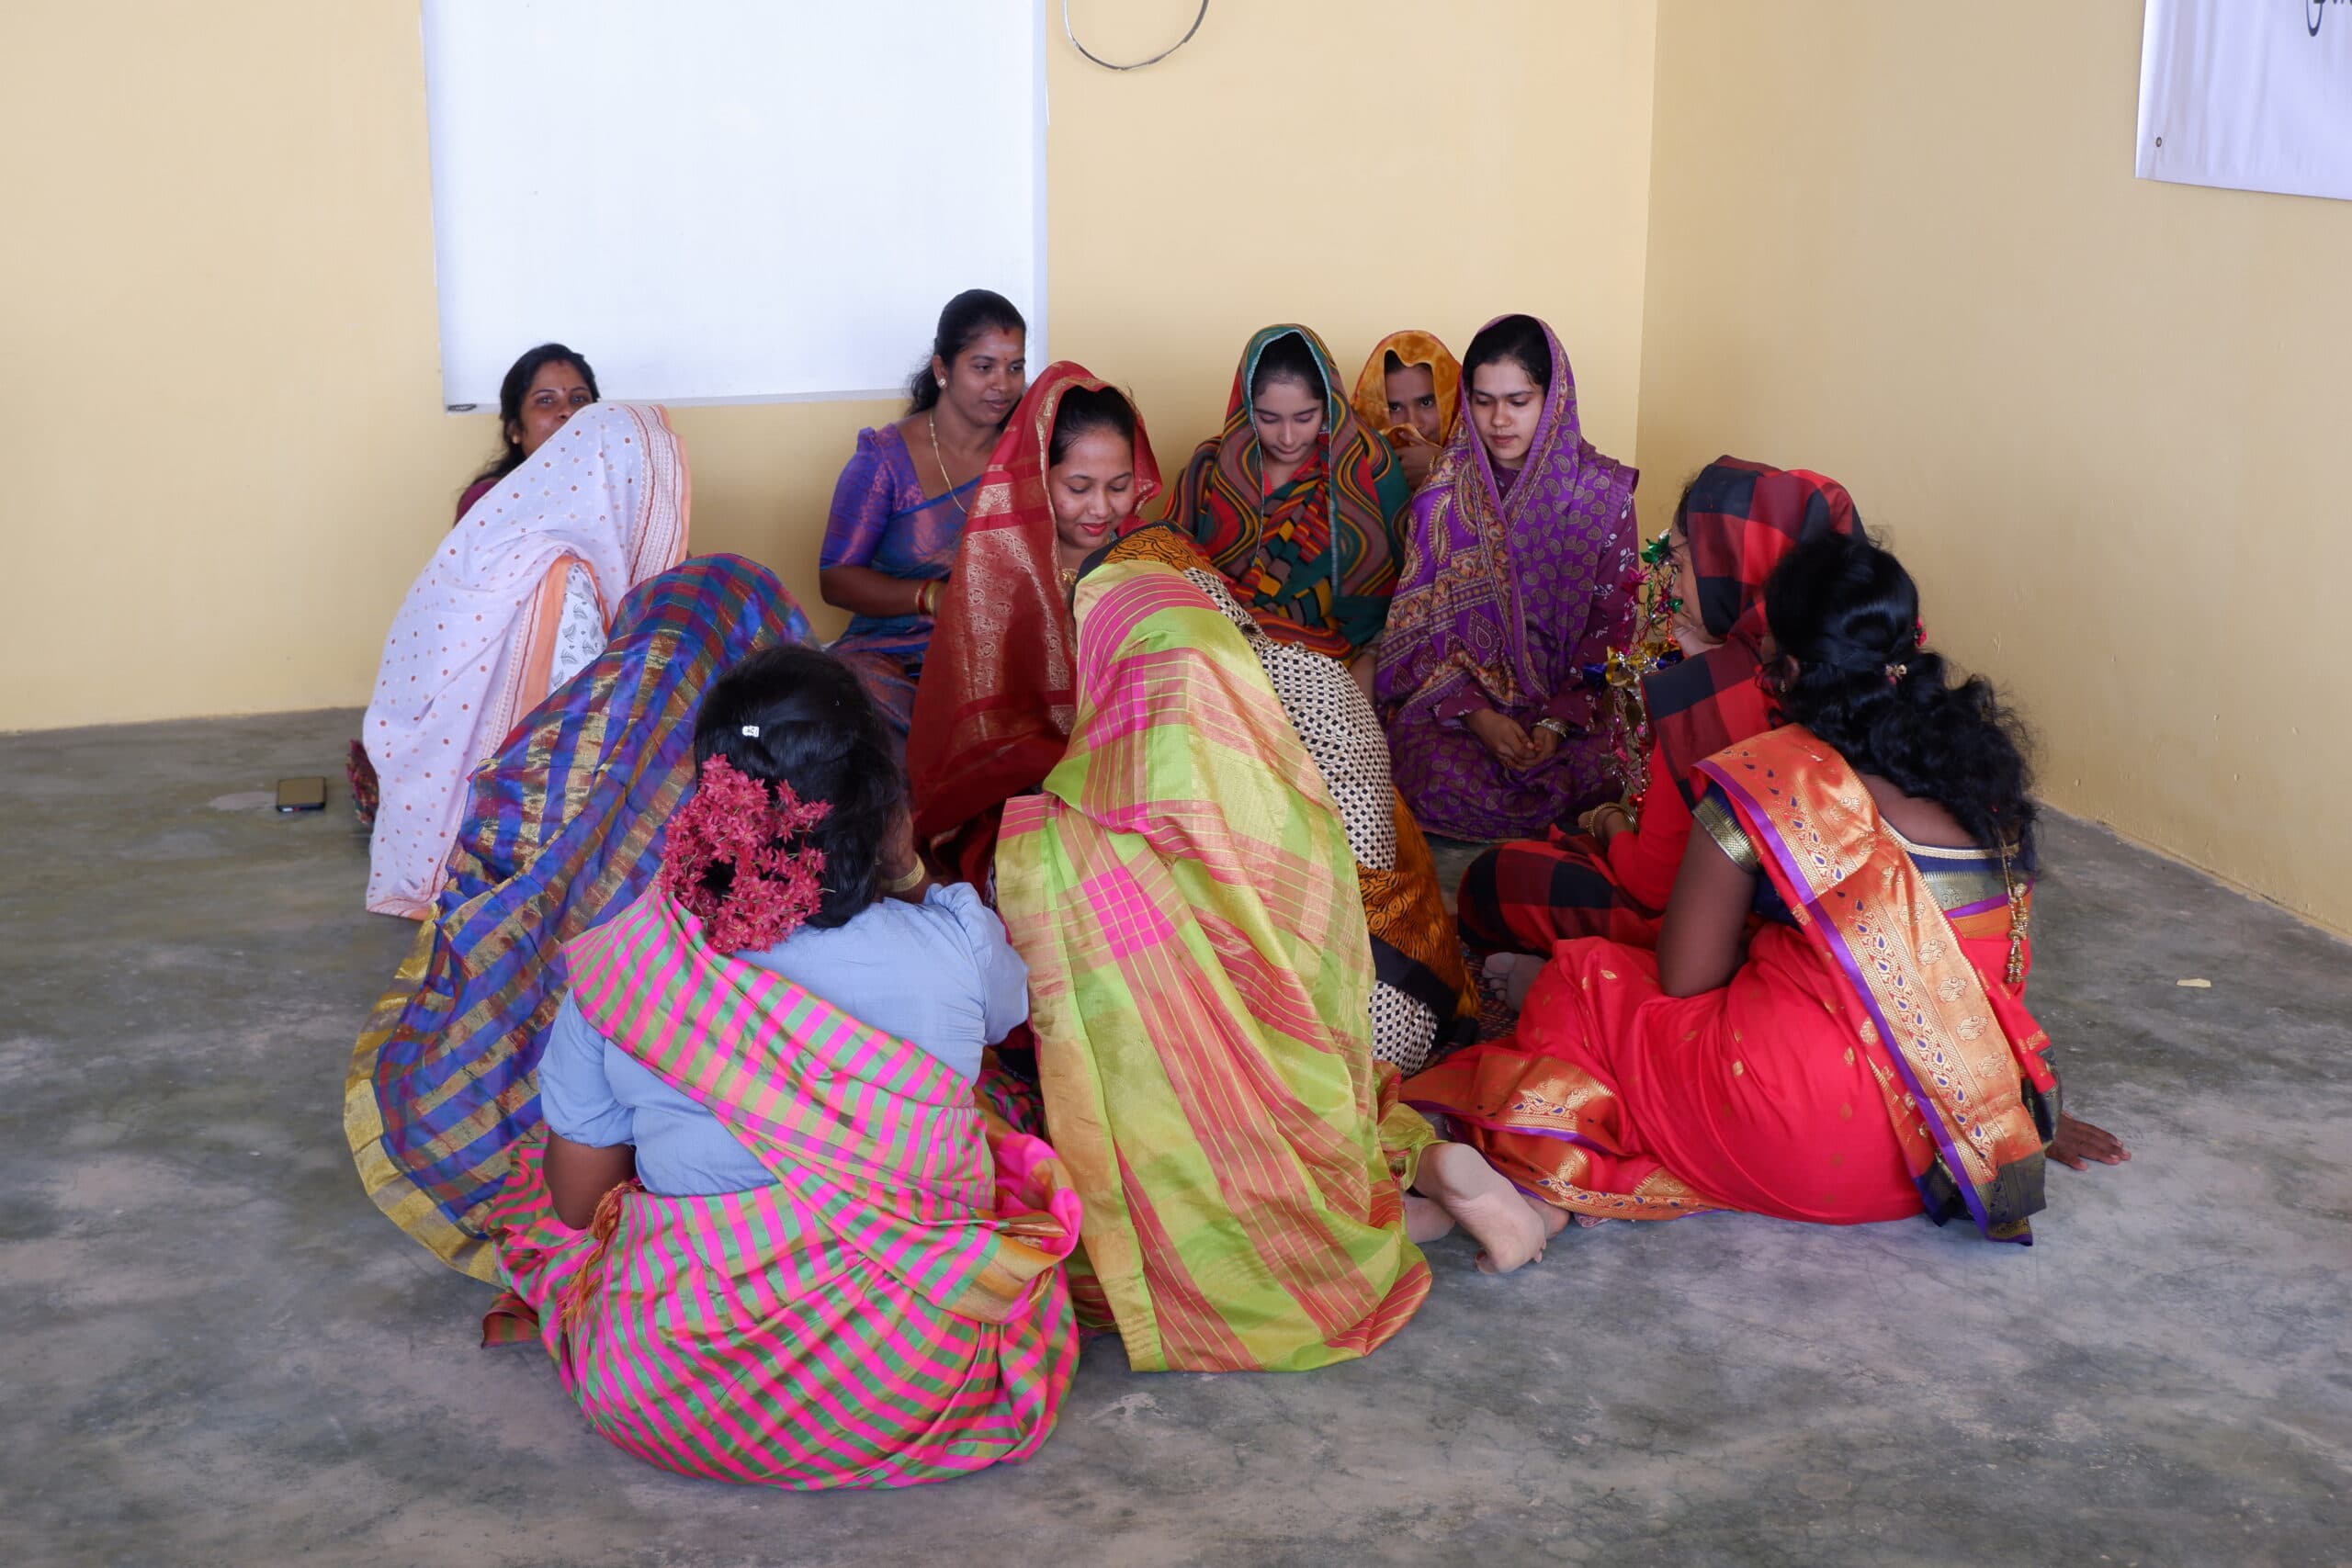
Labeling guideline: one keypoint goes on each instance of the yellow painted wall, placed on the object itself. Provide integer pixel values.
(2100, 418)
(219, 393)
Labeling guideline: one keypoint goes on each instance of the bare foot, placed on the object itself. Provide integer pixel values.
(1554, 1219)
(2079, 1142)
(1516, 973)
(1488, 1206)
(1425, 1219)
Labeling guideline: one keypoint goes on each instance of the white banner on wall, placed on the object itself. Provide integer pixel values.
(2254, 94)
(730, 200)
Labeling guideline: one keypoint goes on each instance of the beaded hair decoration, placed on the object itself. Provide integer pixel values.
(777, 881)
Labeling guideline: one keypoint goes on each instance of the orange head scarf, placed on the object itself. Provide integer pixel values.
(993, 711)
(1411, 349)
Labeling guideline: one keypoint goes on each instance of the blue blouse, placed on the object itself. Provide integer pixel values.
(939, 975)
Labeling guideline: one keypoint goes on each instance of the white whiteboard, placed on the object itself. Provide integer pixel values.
(730, 200)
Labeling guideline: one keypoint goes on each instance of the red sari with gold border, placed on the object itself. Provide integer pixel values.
(1869, 1061)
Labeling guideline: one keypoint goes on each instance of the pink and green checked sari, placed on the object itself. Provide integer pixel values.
(1201, 988)
(891, 1310)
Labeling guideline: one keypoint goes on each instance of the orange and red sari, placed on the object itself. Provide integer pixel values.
(993, 711)
(1871, 1060)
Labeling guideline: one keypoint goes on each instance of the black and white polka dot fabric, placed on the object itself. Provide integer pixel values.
(1335, 722)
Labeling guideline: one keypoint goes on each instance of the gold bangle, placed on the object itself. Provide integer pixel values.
(906, 881)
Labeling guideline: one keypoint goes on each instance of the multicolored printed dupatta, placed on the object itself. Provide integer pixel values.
(1201, 982)
(994, 708)
(891, 1310)
(1316, 561)
(563, 826)
(1740, 520)
(1960, 1064)
(1513, 591)
(469, 652)
(1411, 348)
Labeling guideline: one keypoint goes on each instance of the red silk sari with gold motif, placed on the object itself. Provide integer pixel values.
(1869, 1060)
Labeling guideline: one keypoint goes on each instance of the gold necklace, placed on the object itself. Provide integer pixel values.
(944, 478)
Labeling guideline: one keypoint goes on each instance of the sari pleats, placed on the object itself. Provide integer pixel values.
(1200, 979)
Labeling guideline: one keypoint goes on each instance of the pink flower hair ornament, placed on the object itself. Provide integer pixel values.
(777, 882)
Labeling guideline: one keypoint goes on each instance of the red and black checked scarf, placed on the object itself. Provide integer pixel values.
(1741, 519)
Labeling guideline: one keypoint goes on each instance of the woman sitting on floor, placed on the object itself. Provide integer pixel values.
(542, 390)
(516, 600)
(563, 826)
(1519, 575)
(1410, 392)
(1295, 503)
(769, 1237)
(1201, 981)
(900, 507)
(997, 701)
(1866, 1054)
(993, 710)
(1734, 524)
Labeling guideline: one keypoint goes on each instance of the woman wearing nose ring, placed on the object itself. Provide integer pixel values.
(902, 503)
(1519, 578)
(1296, 503)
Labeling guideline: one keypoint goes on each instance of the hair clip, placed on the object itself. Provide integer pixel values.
(1918, 634)
(1896, 673)
(751, 730)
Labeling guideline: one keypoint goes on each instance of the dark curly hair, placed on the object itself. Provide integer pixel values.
(820, 732)
(1849, 613)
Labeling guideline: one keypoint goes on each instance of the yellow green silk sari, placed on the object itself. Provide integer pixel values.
(1201, 980)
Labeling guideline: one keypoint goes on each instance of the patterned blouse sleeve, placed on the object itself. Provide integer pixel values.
(861, 507)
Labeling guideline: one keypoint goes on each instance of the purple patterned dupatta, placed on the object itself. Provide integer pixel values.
(1498, 588)
(1506, 596)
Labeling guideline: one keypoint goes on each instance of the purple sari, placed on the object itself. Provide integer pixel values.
(885, 517)
(1511, 587)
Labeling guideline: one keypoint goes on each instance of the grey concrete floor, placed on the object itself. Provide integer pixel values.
(214, 1350)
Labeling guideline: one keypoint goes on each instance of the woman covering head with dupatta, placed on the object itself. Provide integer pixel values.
(899, 506)
(1200, 980)
(517, 599)
(1295, 502)
(1866, 1053)
(1735, 523)
(993, 709)
(1520, 573)
(1410, 392)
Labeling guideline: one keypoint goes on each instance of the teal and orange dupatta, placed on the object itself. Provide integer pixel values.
(1316, 560)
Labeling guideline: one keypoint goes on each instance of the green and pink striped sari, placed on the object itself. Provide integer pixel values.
(891, 1310)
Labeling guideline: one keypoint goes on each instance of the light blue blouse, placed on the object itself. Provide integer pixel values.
(939, 975)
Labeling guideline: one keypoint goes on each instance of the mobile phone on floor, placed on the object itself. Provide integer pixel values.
(301, 795)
